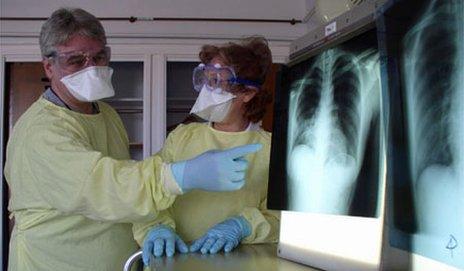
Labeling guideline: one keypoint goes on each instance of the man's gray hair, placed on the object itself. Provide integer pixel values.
(66, 22)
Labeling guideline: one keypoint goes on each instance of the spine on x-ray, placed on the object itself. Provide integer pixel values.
(338, 94)
(330, 113)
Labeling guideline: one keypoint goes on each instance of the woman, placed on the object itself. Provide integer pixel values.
(233, 101)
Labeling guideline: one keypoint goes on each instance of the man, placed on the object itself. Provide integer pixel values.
(74, 189)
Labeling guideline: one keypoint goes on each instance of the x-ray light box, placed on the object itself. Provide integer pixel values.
(328, 153)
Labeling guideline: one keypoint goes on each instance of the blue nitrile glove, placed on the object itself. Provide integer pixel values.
(214, 170)
(226, 234)
(160, 239)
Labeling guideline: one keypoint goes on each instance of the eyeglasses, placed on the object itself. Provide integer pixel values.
(77, 60)
(218, 77)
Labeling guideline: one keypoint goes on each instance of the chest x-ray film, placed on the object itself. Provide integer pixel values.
(424, 51)
(329, 136)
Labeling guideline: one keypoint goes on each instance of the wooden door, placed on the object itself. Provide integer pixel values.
(27, 81)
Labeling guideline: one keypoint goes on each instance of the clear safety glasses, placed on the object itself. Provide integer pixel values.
(217, 77)
(77, 60)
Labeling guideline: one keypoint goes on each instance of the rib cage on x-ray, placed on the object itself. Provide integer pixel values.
(330, 111)
(433, 75)
(345, 86)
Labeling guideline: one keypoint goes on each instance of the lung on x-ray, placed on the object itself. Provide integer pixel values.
(424, 52)
(329, 140)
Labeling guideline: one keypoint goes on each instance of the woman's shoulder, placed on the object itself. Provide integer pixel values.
(264, 135)
(187, 130)
(193, 126)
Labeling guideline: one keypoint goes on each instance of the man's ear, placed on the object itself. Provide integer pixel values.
(47, 65)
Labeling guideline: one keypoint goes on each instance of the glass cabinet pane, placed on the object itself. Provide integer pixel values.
(179, 93)
(128, 102)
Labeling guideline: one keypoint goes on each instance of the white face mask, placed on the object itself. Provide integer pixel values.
(212, 105)
(90, 84)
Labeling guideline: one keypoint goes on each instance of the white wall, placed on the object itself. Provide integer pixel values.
(242, 9)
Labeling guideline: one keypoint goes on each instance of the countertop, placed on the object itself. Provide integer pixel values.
(243, 258)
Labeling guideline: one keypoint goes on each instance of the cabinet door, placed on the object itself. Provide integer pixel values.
(128, 82)
(180, 95)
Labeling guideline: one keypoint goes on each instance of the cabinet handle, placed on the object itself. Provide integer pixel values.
(136, 145)
(129, 111)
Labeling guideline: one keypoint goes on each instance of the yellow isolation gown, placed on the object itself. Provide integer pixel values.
(193, 213)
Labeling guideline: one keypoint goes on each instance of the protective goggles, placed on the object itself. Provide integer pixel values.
(217, 77)
(77, 60)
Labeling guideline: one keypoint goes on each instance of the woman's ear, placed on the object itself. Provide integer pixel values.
(248, 95)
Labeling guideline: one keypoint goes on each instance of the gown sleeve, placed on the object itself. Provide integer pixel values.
(75, 178)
